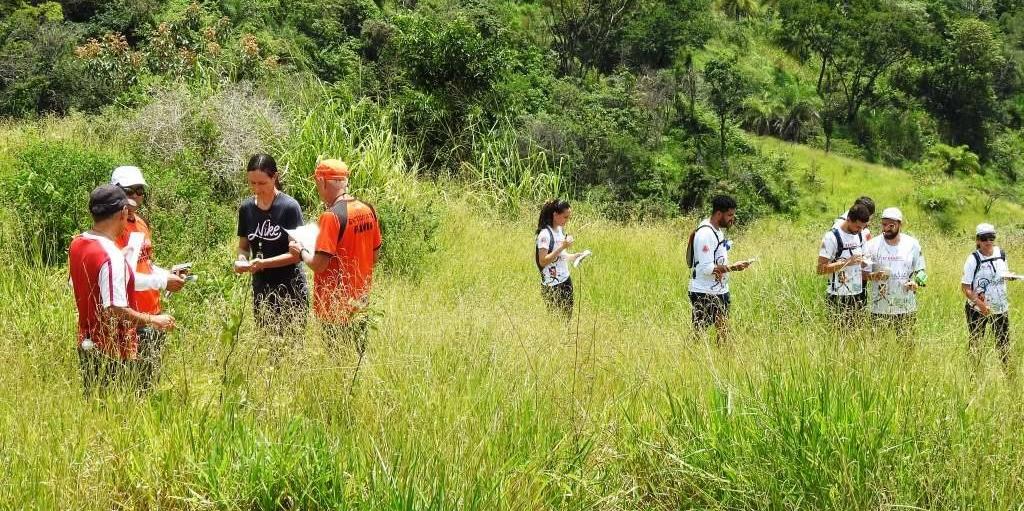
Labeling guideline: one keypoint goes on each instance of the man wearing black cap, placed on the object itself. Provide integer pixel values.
(102, 281)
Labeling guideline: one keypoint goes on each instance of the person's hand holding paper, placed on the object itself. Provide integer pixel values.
(305, 237)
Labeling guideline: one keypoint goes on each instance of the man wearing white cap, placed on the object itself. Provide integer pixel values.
(897, 271)
(984, 286)
(137, 243)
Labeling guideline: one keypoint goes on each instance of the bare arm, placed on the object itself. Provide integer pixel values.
(826, 268)
(159, 321)
(277, 261)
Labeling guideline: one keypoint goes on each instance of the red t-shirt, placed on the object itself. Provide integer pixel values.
(350, 232)
(149, 300)
(101, 278)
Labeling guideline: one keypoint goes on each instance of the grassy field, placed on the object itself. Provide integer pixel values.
(474, 397)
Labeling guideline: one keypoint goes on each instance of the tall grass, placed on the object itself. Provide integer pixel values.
(474, 397)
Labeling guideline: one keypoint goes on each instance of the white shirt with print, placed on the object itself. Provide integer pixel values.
(988, 280)
(709, 250)
(558, 271)
(848, 281)
(902, 261)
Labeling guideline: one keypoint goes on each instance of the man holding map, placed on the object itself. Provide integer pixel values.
(343, 257)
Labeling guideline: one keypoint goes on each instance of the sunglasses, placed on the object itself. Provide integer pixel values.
(987, 237)
(138, 190)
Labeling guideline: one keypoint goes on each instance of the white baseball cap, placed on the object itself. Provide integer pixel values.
(893, 214)
(985, 229)
(127, 175)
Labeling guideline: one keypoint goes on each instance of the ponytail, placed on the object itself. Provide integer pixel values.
(547, 213)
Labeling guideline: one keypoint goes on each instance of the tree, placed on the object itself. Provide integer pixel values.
(585, 33)
(960, 87)
(726, 92)
(662, 28)
(857, 42)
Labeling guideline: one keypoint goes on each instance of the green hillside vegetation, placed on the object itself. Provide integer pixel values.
(459, 119)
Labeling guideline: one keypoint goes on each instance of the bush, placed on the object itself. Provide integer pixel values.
(217, 133)
(940, 201)
(49, 193)
(949, 161)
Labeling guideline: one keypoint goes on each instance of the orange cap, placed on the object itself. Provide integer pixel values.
(331, 169)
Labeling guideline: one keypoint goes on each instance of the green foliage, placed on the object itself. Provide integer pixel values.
(49, 190)
(951, 161)
(960, 86)
(38, 71)
(726, 92)
(895, 137)
(661, 29)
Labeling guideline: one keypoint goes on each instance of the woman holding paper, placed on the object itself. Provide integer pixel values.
(984, 286)
(279, 289)
(553, 256)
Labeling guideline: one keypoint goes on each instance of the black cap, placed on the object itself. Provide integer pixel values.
(106, 200)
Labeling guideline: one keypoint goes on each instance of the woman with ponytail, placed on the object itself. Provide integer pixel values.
(553, 256)
(280, 295)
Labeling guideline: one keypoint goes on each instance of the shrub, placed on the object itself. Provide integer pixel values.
(49, 193)
(944, 159)
(217, 134)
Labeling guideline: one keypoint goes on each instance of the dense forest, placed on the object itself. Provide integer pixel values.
(642, 105)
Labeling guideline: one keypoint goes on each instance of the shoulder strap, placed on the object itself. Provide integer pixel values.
(839, 244)
(977, 266)
(693, 238)
(340, 210)
(551, 247)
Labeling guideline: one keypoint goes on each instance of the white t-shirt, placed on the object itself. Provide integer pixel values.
(848, 281)
(558, 271)
(838, 224)
(902, 261)
(988, 279)
(710, 248)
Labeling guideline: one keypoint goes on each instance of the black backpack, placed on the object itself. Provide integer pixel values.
(536, 251)
(690, 258)
(979, 260)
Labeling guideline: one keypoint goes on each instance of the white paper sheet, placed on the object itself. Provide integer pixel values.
(306, 236)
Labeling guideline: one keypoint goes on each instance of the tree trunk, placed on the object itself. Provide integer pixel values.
(821, 73)
(721, 136)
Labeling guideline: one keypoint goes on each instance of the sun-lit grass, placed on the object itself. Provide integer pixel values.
(473, 396)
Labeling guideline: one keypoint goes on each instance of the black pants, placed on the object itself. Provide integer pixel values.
(279, 308)
(559, 297)
(98, 370)
(846, 310)
(709, 309)
(976, 323)
(151, 346)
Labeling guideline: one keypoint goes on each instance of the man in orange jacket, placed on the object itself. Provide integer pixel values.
(150, 280)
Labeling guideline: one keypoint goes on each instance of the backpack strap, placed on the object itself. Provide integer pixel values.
(839, 244)
(979, 260)
(718, 243)
(340, 210)
(551, 248)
